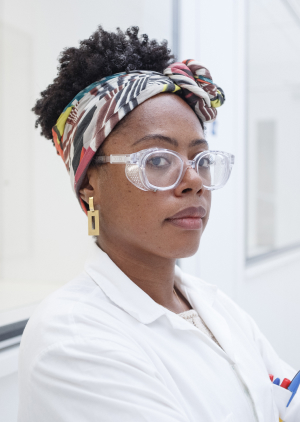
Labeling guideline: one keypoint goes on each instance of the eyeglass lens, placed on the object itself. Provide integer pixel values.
(164, 169)
(212, 169)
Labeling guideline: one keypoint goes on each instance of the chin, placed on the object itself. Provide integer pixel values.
(185, 249)
(187, 255)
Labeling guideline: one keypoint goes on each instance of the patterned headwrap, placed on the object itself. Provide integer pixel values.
(90, 117)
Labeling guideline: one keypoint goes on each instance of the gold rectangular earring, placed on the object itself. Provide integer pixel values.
(93, 219)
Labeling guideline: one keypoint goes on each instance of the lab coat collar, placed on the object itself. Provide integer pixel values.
(133, 300)
(120, 289)
(128, 296)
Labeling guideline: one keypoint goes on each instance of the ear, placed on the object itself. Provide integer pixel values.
(90, 186)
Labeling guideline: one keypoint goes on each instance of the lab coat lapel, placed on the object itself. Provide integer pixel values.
(202, 297)
(216, 323)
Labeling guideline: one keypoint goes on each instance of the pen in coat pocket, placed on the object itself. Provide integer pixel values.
(292, 386)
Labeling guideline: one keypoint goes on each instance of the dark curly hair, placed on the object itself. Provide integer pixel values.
(103, 54)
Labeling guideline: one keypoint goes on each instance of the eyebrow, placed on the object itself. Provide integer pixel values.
(171, 141)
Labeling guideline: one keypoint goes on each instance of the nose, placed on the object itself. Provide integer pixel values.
(191, 182)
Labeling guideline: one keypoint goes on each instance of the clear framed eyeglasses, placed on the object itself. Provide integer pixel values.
(163, 169)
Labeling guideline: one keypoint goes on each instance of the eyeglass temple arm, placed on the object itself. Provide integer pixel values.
(114, 159)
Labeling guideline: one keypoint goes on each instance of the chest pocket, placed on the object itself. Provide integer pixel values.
(281, 397)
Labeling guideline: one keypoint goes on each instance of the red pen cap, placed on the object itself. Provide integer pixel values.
(285, 383)
(271, 377)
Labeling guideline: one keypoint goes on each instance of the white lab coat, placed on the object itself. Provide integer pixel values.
(101, 350)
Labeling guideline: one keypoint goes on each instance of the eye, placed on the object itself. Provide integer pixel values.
(158, 162)
(206, 162)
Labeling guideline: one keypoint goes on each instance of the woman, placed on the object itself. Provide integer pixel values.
(133, 338)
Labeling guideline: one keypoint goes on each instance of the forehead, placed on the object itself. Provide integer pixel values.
(165, 114)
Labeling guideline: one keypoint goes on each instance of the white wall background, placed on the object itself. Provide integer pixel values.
(213, 31)
(274, 43)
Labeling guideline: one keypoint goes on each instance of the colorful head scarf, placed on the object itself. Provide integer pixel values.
(90, 117)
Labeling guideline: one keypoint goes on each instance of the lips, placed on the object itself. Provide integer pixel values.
(189, 218)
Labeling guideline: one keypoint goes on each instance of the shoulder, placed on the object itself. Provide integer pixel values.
(75, 345)
(77, 312)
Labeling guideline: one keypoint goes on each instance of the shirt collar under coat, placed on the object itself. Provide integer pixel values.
(133, 300)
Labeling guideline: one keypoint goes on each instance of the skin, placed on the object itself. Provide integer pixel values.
(134, 230)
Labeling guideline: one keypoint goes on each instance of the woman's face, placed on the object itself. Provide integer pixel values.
(141, 221)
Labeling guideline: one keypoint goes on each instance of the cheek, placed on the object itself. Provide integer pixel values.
(124, 207)
(130, 216)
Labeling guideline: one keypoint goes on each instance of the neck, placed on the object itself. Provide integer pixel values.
(152, 273)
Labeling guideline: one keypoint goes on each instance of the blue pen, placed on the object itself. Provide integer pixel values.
(293, 387)
(276, 381)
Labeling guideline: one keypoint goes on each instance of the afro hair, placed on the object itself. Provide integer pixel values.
(103, 54)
